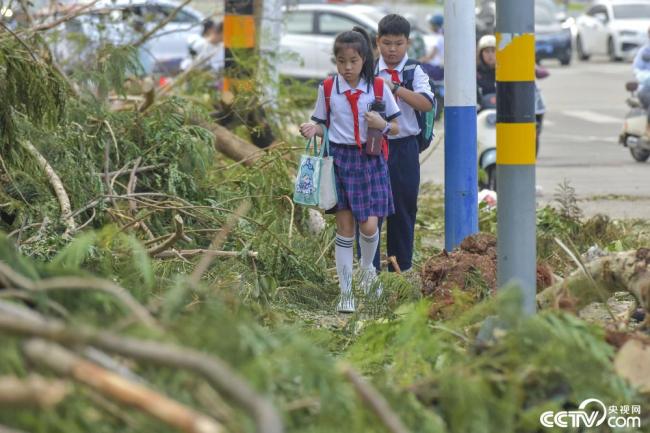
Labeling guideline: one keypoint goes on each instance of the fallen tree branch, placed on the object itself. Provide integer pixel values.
(130, 188)
(72, 15)
(234, 147)
(196, 252)
(171, 239)
(118, 388)
(374, 400)
(79, 283)
(218, 241)
(57, 185)
(629, 270)
(4, 429)
(138, 170)
(213, 369)
(32, 390)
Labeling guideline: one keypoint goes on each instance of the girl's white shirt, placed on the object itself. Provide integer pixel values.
(341, 129)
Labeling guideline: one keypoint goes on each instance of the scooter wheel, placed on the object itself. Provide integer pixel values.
(640, 155)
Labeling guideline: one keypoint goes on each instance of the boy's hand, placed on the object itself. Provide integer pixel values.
(309, 130)
(375, 120)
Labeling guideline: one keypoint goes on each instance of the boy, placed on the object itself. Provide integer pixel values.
(403, 156)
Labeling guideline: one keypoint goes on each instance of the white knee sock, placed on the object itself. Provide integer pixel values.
(368, 246)
(343, 254)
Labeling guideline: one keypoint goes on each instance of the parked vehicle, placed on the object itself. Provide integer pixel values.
(634, 136)
(121, 22)
(552, 29)
(616, 28)
(552, 39)
(309, 32)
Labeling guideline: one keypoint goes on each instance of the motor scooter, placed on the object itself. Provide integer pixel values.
(634, 135)
(486, 138)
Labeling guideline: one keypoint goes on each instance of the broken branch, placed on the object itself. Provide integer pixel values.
(32, 390)
(216, 371)
(77, 283)
(57, 185)
(118, 388)
(171, 239)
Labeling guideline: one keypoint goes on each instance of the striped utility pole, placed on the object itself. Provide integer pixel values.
(239, 42)
(461, 160)
(516, 245)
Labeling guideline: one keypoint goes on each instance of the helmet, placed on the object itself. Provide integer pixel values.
(487, 41)
(437, 20)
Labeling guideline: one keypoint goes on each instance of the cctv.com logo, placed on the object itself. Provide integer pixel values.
(615, 417)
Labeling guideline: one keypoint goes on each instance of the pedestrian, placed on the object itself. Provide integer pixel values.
(410, 86)
(206, 51)
(486, 66)
(363, 187)
(433, 63)
(641, 67)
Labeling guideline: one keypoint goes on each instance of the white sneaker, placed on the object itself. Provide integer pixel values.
(368, 279)
(346, 304)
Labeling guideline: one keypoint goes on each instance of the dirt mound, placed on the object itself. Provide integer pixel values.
(476, 259)
(473, 264)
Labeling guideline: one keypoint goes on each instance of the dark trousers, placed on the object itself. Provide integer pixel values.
(644, 98)
(404, 171)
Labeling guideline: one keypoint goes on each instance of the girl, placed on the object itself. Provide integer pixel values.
(362, 180)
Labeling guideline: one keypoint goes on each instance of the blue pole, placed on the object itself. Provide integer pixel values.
(461, 160)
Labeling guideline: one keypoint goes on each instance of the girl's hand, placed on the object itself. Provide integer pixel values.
(309, 130)
(375, 120)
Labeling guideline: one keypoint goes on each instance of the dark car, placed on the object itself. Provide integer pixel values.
(552, 40)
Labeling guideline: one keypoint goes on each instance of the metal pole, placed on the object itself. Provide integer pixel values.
(461, 164)
(516, 245)
(271, 32)
(239, 42)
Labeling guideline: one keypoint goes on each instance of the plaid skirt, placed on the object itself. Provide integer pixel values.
(362, 183)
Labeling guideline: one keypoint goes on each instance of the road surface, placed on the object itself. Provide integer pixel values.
(585, 109)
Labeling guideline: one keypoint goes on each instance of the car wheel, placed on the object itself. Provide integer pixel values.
(491, 172)
(640, 155)
(611, 51)
(582, 55)
(565, 60)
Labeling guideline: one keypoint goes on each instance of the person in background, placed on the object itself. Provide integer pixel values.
(433, 63)
(206, 51)
(486, 66)
(641, 67)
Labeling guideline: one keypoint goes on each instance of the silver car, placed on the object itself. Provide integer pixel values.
(122, 22)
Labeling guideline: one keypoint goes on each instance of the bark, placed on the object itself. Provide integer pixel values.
(375, 401)
(118, 388)
(57, 186)
(33, 390)
(629, 270)
(234, 147)
(219, 374)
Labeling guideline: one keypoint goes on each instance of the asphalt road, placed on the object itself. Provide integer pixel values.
(585, 109)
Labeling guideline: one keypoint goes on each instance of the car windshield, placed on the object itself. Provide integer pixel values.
(544, 16)
(632, 11)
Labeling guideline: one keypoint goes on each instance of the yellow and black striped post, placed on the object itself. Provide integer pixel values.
(516, 223)
(239, 42)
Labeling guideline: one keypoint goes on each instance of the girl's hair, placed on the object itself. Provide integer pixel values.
(359, 40)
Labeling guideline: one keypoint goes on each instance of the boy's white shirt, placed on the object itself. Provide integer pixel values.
(408, 123)
(341, 129)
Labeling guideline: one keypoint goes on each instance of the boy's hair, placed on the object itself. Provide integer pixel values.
(359, 40)
(395, 25)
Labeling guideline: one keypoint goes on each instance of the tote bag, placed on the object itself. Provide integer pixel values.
(307, 184)
(328, 198)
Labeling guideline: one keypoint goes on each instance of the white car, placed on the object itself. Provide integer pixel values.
(616, 28)
(309, 31)
(122, 22)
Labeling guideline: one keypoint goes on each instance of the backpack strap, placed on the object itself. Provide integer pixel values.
(328, 84)
(408, 73)
(378, 87)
